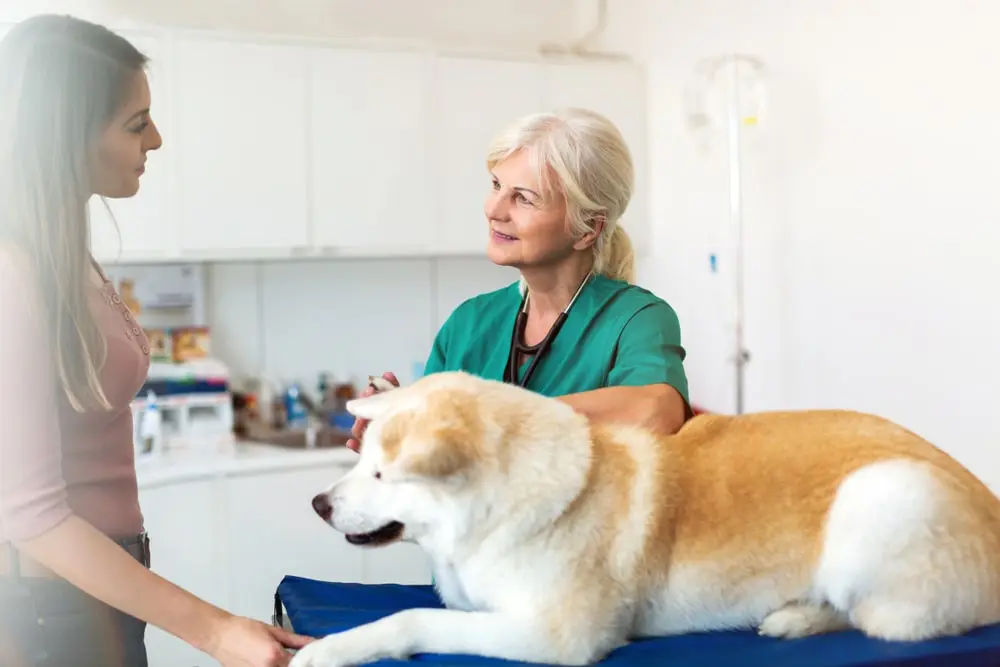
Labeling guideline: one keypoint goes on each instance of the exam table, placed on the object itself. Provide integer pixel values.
(318, 608)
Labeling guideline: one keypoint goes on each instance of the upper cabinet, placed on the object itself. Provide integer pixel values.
(371, 167)
(139, 228)
(475, 101)
(241, 141)
(279, 149)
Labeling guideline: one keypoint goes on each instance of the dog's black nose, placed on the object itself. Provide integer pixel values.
(321, 503)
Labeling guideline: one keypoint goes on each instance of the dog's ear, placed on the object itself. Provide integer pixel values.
(370, 407)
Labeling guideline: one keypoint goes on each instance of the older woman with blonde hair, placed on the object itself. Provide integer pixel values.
(575, 326)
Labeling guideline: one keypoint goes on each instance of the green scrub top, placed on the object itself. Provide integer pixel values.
(616, 334)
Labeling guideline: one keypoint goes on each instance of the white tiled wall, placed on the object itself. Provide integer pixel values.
(291, 320)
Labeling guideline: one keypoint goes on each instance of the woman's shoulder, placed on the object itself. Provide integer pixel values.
(628, 298)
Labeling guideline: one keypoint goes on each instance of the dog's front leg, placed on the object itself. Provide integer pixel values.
(446, 631)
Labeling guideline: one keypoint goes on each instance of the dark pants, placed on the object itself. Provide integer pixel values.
(51, 623)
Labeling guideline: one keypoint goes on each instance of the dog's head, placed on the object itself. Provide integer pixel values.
(447, 454)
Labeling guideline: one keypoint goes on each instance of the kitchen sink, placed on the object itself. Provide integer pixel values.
(296, 438)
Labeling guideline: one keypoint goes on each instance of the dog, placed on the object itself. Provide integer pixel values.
(556, 540)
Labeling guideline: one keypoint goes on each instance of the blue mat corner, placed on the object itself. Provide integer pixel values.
(318, 608)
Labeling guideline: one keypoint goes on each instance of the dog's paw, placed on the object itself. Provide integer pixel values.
(796, 621)
(346, 649)
(380, 384)
(319, 653)
(310, 655)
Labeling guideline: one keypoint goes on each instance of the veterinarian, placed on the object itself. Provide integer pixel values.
(574, 326)
(75, 584)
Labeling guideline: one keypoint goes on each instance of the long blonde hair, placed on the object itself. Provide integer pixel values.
(592, 168)
(61, 81)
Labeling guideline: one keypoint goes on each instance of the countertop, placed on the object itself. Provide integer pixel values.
(239, 458)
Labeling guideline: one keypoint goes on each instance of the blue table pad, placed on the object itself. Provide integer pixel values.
(317, 608)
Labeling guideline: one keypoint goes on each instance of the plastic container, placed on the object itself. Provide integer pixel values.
(151, 427)
(295, 412)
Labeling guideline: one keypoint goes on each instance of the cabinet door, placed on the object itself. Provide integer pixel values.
(273, 531)
(142, 221)
(476, 99)
(241, 147)
(618, 92)
(400, 563)
(184, 532)
(370, 152)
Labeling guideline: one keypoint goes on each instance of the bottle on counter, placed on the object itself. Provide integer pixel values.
(151, 427)
(295, 412)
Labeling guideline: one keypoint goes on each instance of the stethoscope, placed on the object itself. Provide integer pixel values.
(517, 346)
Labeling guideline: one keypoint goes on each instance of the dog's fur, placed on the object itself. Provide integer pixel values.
(556, 540)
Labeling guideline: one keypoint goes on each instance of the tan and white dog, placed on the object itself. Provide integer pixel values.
(555, 540)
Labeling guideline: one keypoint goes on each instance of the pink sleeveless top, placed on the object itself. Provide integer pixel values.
(55, 461)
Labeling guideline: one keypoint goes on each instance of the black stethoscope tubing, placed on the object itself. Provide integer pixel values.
(517, 347)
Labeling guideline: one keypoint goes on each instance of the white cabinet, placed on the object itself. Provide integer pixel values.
(370, 154)
(241, 110)
(399, 563)
(286, 148)
(229, 535)
(476, 100)
(273, 531)
(618, 92)
(185, 548)
(144, 221)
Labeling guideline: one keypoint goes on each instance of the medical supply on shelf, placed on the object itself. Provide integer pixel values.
(150, 438)
(193, 402)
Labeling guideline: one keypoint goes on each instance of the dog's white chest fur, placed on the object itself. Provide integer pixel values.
(450, 588)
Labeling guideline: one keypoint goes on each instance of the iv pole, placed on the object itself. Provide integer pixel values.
(699, 117)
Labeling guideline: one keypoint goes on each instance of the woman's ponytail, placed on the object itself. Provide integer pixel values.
(615, 258)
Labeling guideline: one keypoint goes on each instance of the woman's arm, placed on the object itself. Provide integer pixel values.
(647, 382)
(89, 560)
(659, 406)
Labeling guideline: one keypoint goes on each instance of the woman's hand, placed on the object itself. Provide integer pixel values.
(358, 429)
(243, 642)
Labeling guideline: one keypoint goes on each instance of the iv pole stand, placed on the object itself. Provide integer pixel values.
(734, 122)
(742, 355)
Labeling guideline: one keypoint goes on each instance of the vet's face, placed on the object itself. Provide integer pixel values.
(410, 475)
(528, 226)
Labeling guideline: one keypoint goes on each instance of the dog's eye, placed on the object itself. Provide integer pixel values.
(378, 475)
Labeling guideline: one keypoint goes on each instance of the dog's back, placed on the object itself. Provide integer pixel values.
(798, 522)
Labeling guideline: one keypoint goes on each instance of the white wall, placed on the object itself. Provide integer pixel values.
(291, 320)
(871, 209)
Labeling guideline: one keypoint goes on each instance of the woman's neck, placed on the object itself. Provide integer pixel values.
(550, 291)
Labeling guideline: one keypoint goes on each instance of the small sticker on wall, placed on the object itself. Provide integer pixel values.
(713, 263)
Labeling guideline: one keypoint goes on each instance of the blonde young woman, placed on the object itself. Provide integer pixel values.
(75, 588)
(574, 326)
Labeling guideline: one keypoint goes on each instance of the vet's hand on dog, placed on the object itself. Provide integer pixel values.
(358, 429)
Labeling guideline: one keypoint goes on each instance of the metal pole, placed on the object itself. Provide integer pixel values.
(736, 221)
